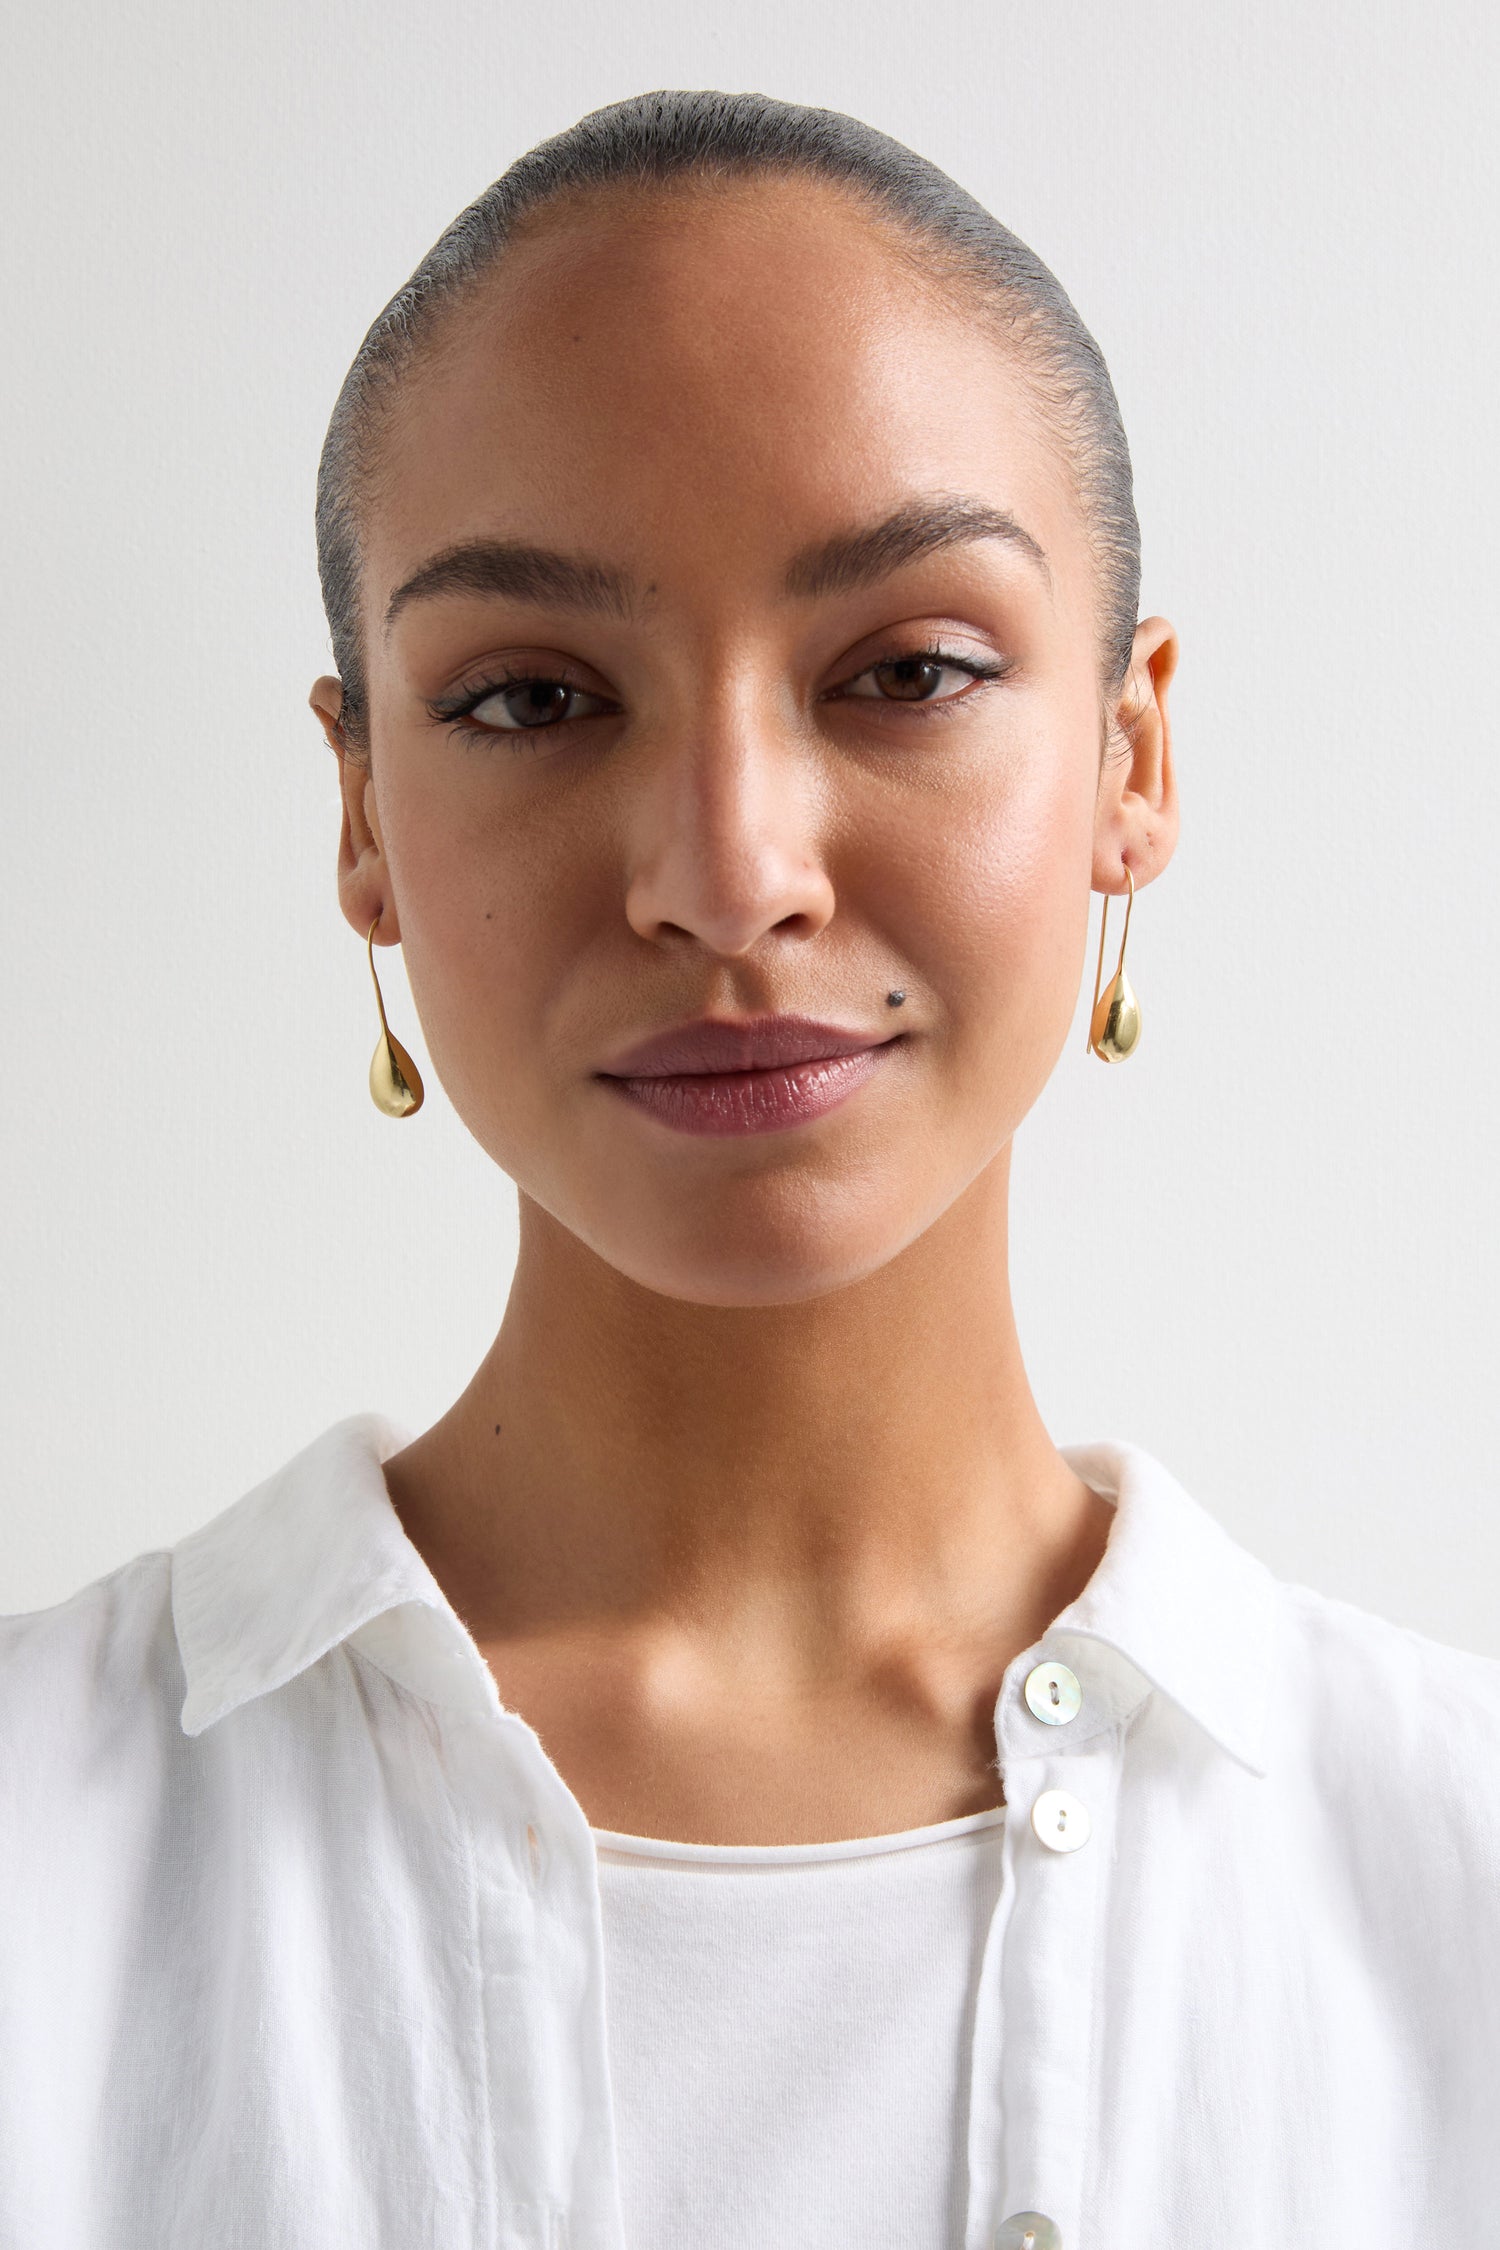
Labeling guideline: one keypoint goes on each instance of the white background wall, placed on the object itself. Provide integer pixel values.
(1265, 1248)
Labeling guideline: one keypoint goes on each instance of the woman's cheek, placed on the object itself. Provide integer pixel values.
(1016, 900)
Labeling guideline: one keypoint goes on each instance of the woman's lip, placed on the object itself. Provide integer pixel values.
(753, 1043)
(751, 1101)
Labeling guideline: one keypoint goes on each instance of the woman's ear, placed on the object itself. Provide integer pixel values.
(363, 878)
(1135, 819)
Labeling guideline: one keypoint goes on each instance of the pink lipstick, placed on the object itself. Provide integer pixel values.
(758, 1075)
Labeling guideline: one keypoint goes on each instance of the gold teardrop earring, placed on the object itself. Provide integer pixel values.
(1115, 1019)
(395, 1081)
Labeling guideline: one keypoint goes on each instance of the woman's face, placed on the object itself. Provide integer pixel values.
(799, 722)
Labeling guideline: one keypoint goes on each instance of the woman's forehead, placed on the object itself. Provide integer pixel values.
(769, 365)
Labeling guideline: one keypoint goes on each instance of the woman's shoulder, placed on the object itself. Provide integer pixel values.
(112, 1652)
(126, 1673)
(91, 1757)
(1363, 1654)
(88, 1667)
(1389, 1724)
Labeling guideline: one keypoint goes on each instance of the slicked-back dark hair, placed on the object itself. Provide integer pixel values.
(679, 136)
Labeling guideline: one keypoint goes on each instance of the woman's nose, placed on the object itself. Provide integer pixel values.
(724, 843)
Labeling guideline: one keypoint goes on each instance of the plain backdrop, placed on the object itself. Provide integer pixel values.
(1265, 1247)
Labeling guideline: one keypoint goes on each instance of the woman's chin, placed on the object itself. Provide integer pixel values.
(732, 1263)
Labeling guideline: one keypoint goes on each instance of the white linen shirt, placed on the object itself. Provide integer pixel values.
(301, 1944)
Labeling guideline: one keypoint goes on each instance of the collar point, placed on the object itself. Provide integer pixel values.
(197, 1715)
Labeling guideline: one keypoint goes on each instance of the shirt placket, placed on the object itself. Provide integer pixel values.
(538, 1944)
(1059, 1726)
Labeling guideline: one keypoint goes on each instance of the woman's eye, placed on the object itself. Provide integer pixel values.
(926, 677)
(533, 703)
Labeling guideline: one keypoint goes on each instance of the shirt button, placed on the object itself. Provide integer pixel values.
(1053, 1694)
(1028, 2230)
(1062, 1824)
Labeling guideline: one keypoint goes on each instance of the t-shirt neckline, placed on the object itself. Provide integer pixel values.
(617, 1841)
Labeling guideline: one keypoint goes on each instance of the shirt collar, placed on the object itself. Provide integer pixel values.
(293, 1568)
(317, 1555)
(1178, 1598)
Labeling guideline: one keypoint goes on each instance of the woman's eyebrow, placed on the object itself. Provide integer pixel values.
(859, 558)
(848, 559)
(526, 574)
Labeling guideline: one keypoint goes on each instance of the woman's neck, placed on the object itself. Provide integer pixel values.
(756, 1575)
(824, 1467)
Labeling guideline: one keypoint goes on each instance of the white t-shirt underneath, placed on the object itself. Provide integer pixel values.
(789, 2034)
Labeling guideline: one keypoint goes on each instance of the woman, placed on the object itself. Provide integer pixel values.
(734, 1781)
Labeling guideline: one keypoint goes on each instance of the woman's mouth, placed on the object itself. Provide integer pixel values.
(759, 1075)
(752, 1101)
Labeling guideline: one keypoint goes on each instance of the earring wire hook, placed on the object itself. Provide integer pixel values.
(1099, 970)
(370, 949)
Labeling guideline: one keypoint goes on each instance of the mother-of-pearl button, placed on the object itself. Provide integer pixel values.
(1053, 1694)
(1028, 2230)
(1060, 1820)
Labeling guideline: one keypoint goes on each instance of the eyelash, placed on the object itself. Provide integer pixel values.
(455, 711)
(976, 668)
